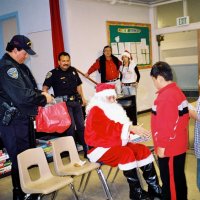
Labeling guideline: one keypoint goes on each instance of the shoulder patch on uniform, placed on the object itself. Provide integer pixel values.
(49, 74)
(13, 73)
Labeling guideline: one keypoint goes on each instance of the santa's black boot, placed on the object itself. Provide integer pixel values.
(136, 191)
(150, 176)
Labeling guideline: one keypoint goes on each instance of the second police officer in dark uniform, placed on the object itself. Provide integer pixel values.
(66, 84)
(19, 100)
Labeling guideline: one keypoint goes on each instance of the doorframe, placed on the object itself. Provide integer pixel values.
(2, 19)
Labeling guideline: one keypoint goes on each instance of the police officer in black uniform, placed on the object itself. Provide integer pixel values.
(66, 84)
(19, 100)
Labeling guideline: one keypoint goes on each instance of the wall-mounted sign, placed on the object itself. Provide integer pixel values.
(182, 21)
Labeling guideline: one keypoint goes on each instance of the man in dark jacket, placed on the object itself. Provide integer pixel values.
(108, 66)
(19, 100)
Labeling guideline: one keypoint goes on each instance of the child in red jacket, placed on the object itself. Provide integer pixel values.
(169, 123)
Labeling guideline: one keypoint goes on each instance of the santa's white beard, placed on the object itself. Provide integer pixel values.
(113, 111)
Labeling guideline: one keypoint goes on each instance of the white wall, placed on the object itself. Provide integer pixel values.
(34, 22)
(84, 28)
(85, 35)
(33, 14)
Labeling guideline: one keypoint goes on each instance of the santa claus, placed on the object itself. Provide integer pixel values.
(108, 131)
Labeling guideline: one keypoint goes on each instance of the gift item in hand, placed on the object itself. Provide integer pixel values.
(53, 118)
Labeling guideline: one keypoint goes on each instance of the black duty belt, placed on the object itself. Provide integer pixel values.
(113, 80)
(129, 84)
(68, 98)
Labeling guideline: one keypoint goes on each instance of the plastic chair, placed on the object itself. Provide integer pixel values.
(75, 167)
(46, 183)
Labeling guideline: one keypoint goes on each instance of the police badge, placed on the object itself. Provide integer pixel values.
(13, 73)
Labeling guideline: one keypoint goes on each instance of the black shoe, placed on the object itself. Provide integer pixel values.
(150, 176)
(139, 195)
(136, 191)
(33, 197)
(18, 194)
(155, 194)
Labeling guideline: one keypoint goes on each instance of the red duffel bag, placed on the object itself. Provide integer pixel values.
(53, 118)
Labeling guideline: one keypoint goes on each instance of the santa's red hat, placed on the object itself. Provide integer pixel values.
(105, 89)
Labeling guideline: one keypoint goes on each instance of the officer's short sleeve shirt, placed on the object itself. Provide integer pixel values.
(63, 82)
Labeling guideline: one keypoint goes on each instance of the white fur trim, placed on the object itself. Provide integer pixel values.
(136, 164)
(97, 153)
(126, 54)
(145, 161)
(125, 133)
(128, 166)
(106, 92)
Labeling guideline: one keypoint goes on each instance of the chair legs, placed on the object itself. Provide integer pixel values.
(54, 194)
(87, 180)
(110, 170)
(104, 184)
(115, 175)
(81, 182)
(74, 191)
(108, 175)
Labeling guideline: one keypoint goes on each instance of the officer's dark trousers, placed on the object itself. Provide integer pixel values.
(178, 176)
(76, 114)
(15, 138)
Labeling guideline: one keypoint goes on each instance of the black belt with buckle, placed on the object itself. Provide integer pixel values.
(112, 80)
(129, 84)
(68, 98)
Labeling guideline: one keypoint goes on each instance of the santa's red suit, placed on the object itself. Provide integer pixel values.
(107, 132)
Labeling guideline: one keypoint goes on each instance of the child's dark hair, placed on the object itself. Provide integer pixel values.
(162, 69)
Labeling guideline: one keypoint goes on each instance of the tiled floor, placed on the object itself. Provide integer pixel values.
(119, 188)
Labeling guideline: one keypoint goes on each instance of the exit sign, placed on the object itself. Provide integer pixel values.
(182, 21)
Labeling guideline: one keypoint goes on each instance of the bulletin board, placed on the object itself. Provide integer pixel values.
(133, 37)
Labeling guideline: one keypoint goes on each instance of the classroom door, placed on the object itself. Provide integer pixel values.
(180, 50)
(8, 28)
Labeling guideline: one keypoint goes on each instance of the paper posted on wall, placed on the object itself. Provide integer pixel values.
(134, 138)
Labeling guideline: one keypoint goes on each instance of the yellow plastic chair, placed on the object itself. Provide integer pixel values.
(46, 183)
(75, 167)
